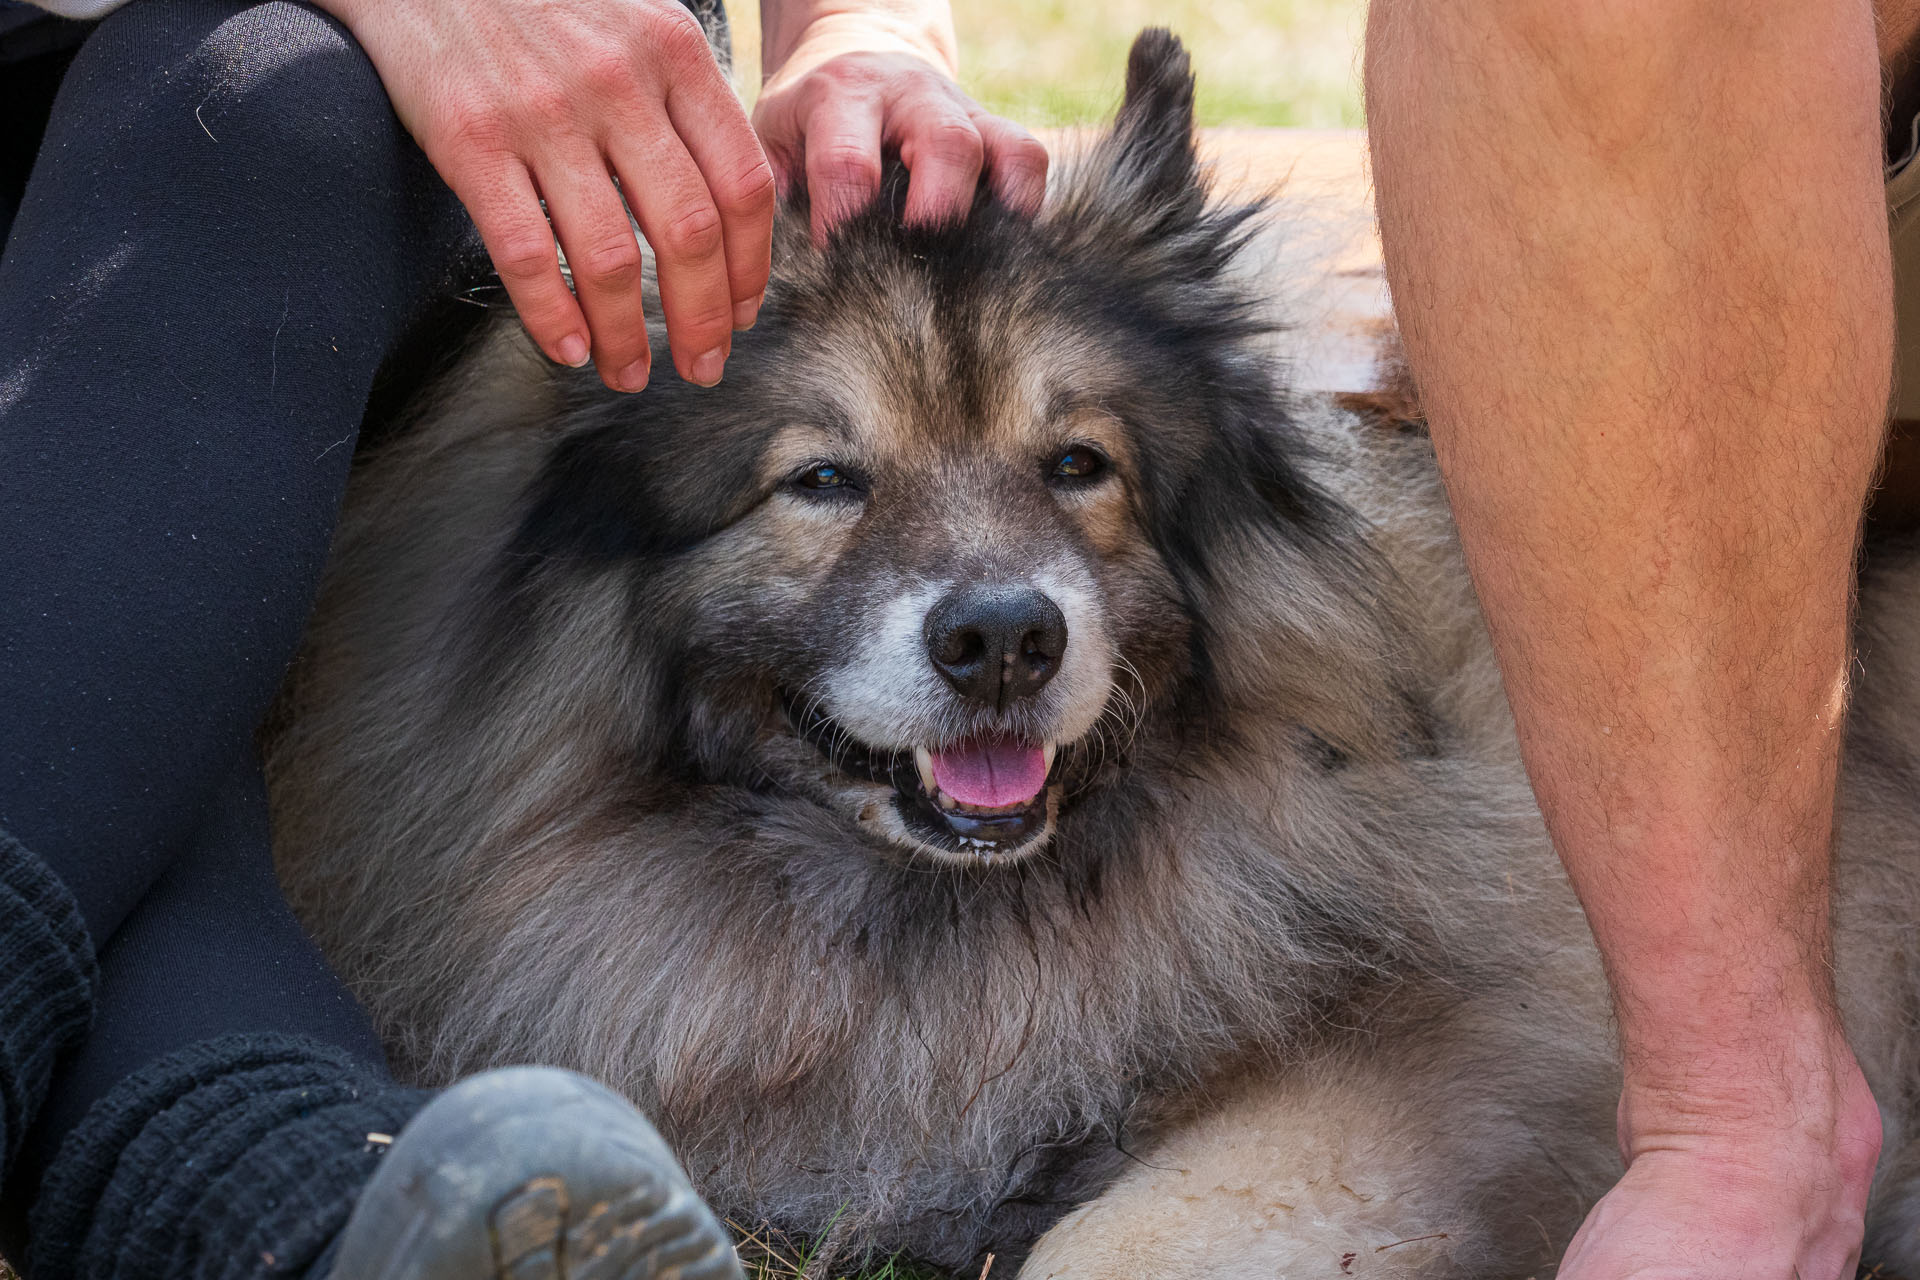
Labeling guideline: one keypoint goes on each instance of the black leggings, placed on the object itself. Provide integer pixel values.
(225, 234)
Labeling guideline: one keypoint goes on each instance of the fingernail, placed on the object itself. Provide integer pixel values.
(708, 368)
(745, 313)
(573, 350)
(634, 376)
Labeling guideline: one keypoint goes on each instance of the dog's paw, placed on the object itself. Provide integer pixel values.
(1259, 1189)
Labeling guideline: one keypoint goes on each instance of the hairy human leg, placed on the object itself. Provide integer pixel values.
(1639, 255)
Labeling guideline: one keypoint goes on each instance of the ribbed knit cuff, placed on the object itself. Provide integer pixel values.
(237, 1157)
(46, 987)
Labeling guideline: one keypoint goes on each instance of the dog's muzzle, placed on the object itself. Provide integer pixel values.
(979, 795)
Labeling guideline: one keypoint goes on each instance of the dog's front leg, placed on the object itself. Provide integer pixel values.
(1469, 1149)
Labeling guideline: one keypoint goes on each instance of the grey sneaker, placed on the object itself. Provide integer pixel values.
(530, 1173)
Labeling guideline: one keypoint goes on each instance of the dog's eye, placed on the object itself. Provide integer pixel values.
(1081, 462)
(823, 476)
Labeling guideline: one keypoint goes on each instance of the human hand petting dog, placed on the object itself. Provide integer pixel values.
(516, 103)
(844, 85)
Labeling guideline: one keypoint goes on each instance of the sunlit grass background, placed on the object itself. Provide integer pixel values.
(1059, 62)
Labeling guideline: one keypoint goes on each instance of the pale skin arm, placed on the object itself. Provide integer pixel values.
(845, 78)
(519, 101)
(1639, 254)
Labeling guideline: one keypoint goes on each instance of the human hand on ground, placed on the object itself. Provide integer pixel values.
(1767, 1181)
(516, 102)
(843, 87)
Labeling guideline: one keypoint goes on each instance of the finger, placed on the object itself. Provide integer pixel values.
(506, 209)
(943, 152)
(773, 124)
(605, 259)
(669, 195)
(739, 180)
(1016, 164)
(843, 159)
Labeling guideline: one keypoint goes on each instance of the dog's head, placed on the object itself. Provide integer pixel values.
(973, 503)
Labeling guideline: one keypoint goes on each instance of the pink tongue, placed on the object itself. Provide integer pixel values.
(990, 772)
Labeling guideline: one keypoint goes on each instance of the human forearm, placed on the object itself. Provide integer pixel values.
(920, 27)
(1639, 257)
(848, 80)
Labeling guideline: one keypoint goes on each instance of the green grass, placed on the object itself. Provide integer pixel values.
(1060, 62)
(766, 1254)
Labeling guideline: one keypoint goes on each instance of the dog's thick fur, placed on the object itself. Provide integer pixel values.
(1292, 984)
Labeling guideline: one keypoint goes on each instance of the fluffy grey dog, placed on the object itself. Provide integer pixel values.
(1002, 753)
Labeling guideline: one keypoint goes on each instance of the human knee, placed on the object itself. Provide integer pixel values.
(274, 85)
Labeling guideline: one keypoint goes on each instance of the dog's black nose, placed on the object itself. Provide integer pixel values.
(996, 643)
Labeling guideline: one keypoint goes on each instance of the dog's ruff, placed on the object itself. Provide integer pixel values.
(606, 751)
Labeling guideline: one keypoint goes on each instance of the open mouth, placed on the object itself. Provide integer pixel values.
(978, 795)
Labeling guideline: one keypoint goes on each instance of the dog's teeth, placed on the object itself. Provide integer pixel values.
(1047, 754)
(923, 760)
(947, 801)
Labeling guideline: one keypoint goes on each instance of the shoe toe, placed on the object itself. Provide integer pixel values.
(531, 1173)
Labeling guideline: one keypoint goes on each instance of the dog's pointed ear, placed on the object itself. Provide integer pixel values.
(1153, 134)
